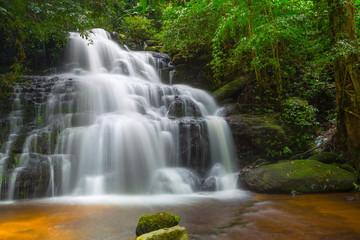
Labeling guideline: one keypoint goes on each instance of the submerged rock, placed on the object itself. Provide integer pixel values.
(149, 223)
(209, 185)
(304, 176)
(174, 233)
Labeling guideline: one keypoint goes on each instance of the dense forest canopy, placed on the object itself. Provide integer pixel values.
(294, 52)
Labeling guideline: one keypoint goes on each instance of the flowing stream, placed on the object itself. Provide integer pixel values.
(110, 126)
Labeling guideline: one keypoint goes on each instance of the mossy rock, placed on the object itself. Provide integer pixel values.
(159, 49)
(304, 176)
(257, 137)
(149, 223)
(231, 89)
(349, 168)
(174, 233)
(328, 157)
(185, 57)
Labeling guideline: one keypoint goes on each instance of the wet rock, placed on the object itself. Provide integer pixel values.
(304, 176)
(174, 233)
(209, 185)
(350, 198)
(256, 137)
(149, 223)
(193, 143)
(32, 180)
(183, 106)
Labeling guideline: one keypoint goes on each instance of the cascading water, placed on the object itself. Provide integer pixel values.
(109, 126)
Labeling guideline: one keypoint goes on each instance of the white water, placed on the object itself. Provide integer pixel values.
(125, 132)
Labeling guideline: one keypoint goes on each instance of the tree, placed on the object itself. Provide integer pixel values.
(346, 70)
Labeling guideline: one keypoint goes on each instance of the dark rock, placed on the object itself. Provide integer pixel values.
(192, 69)
(193, 143)
(149, 223)
(257, 137)
(304, 176)
(183, 106)
(350, 198)
(209, 185)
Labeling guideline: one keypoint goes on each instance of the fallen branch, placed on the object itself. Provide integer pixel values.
(310, 150)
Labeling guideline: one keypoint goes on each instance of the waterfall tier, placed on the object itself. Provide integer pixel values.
(110, 126)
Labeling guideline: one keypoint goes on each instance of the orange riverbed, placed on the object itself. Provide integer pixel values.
(254, 216)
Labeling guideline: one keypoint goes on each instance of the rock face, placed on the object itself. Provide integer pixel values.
(256, 137)
(174, 233)
(304, 176)
(230, 90)
(193, 71)
(149, 223)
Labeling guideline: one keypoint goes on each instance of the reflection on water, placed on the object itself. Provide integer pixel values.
(235, 215)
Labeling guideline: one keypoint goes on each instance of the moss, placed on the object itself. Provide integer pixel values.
(159, 49)
(174, 233)
(328, 157)
(231, 89)
(149, 223)
(304, 176)
(350, 169)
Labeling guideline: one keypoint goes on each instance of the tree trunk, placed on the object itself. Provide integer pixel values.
(347, 78)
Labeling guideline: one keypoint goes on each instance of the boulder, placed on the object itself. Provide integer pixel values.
(303, 176)
(257, 137)
(231, 89)
(328, 157)
(174, 233)
(149, 223)
(209, 185)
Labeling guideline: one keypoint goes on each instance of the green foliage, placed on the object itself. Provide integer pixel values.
(138, 28)
(28, 27)
(192, 26)
(299, 119)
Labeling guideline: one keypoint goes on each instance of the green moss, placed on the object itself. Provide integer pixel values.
(159, 49)
(328, 157)
(349, 168)
(149, 223)
(231, 89)
(304, 176)
(174, 233)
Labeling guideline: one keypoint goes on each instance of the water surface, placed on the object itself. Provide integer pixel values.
(223, 216)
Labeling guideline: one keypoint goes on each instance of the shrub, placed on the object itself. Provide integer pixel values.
(138, 28)
(299, 120)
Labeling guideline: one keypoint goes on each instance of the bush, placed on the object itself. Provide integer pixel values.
(299, 120)
(137, 29)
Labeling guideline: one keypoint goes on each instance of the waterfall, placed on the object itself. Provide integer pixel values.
(110, 126)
